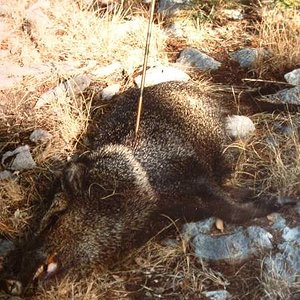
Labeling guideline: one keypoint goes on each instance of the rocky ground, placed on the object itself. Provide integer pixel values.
(61, 64)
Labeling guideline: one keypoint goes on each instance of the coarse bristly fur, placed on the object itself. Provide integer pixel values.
(112, 194)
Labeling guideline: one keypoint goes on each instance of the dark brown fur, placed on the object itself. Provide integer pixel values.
(113, 193)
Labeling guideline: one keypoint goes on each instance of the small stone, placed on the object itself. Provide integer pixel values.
(193, 58)
(233, 14)
(5, 175)
(110, 91)
(284, 265)
(160, 74)
(169, 7)
(217, 295)
(279, 222)
(233, 248)
(192, 229)
(106, 71)
(293, 77)
(239, 126)
(71, 87)
(39, 135)
(286, 96)
(291, 234)
(21, 159)
(248, 56)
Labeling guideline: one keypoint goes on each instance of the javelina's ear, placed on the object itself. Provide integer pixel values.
(73, 178)
(58, 207)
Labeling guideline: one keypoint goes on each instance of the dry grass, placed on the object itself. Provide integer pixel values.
(270, 159)
(279, 33)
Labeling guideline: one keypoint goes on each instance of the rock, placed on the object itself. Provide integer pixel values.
(106, 71)
(193, 58)
(234, 247)
(169, 7)
(21, 159)
(233, 14)
(248, 56)
(286, 96)
(192, 229)
(110, 91)
(284, 129)
(284, 265)
(5, 175)
(239, 126)
(39, 135)
(176, 30)
(279, 222)
(292, 234)
(71, 87)
(293, 77)
(217, 295)
(160, 74)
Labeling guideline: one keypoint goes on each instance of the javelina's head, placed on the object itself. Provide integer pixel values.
(88, 225)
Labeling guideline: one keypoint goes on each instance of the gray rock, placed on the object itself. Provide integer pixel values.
(233, 14)
(192, 229)
(110, 91)
(71, 87)
(292, 234)
(234, 247)
(293, 77)
(285, 264)
(21, 159)
(169, 7)
(286, 96)
(193, 58)
(217, 295)
(176, 30)
(160, 74)
(40, 135)
(5, 175)
(247, 57)
(239, 126)
(280, 222)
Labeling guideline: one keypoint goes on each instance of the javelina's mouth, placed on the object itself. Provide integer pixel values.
(47, 269)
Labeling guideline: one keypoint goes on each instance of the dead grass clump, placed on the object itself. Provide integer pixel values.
(279, 33)
(270, 160)
(14, 211)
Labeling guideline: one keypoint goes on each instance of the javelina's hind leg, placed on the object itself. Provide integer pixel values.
(214, 201)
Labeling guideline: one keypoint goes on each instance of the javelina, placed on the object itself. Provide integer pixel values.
(111, 194)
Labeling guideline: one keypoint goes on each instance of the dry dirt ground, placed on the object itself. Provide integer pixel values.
(43, 43)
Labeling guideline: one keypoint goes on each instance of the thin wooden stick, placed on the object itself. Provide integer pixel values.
(140, 103)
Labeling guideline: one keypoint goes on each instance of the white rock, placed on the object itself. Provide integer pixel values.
(160, 74)
(110, 91)
(239, 126)
(233, 14)
(106, 71)
(70, 87)
(39, 135)
(293, 77)
(217, 295)
(21, 159)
